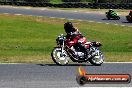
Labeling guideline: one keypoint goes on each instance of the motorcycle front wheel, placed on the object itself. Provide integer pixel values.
(58, 57)
(98, 59)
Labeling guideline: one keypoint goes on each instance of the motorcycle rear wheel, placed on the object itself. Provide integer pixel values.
(108, 17)
(58, 57)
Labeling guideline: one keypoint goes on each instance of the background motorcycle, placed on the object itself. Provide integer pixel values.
(129, 18)
(113, 15)
(62, 53)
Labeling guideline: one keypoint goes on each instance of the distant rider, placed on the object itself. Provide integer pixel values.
(130, 13)
(110, 12)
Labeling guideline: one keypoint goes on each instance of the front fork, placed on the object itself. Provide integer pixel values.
(62, 49)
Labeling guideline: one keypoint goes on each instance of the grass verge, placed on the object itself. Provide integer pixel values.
(26, 39)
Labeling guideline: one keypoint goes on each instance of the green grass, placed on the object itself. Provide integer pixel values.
(25, 39)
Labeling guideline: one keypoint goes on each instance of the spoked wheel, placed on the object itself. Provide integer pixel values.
(58, 57)
(98, 59)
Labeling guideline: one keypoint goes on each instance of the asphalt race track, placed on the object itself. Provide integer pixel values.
(63, 14)
(52, 76)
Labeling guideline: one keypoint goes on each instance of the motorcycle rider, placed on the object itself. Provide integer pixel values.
(110, 12)
(73, 35)
(130, 13)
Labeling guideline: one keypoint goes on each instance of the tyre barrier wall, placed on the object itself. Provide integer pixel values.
(72, 5)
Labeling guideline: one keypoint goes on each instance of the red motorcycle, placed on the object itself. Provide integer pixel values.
(87, 52)
(129, 18)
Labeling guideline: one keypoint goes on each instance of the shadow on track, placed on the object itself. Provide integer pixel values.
(108, 19)
(104, 19)
(65, 65)
(126, 22)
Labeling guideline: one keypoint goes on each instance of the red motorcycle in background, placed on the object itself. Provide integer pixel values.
(90, 52)
(129, 18)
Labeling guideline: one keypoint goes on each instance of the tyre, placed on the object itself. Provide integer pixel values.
(118, 18)
(108, 17)
(58, 57)
(98, 59)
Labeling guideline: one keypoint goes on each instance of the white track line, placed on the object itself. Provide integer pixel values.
(99, 22)
(18, 14)
(107, 23)
(115, 24)
(30, 15)
(70, 19)
(80, 20)
(60, 10)
(13, 63)
(122, 25)
(14, 7)
(52, 17)
(90, 21)
(101, 13)
(40, 16)
(5, 13)
(87, 12)
(43, 9)
(75, 11)
(62, 18)
(27, 8)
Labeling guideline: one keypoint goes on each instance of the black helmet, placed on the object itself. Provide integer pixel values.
(110, 10)
(68, 26)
